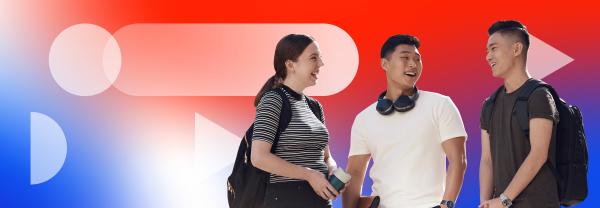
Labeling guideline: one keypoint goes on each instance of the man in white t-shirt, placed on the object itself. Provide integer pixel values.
(409, 134)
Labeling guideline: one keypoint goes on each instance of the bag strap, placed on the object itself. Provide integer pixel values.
(488, 107)
(522, 102)
(315, 107)
(284, 117)
(286, 114)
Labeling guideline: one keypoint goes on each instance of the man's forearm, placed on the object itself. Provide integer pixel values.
(485, 180)
(454, 179)
(540, 136)
(357, 168)
(351, 195)
(530, 167)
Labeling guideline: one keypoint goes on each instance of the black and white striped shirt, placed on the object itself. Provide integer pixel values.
(302, 142)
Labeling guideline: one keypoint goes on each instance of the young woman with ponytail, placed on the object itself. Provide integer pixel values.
(302, 160)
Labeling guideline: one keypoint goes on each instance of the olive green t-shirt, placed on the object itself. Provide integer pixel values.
(509, 147)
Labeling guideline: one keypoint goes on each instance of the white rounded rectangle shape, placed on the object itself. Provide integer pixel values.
(223, 59)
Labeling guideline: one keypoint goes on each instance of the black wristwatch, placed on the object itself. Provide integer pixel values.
(449, 204)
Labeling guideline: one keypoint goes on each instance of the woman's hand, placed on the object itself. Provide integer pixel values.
(321, 185)
(330, 172)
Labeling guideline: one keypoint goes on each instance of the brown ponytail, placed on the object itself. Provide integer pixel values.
(271, 83)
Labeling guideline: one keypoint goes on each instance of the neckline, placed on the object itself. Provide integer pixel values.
(517, 90)
(293, 93)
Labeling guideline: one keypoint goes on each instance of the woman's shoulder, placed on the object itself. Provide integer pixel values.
(271, 97)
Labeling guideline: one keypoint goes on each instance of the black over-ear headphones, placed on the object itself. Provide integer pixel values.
(403, 104)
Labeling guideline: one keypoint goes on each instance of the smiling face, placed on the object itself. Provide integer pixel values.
(306, 67)
(403, 67)
(502, 52)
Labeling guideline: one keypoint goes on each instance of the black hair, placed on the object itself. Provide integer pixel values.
(511, 27)
(390, 44)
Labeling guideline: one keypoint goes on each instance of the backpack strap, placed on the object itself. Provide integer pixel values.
(286, 114)
(315, 107)
(521, 105)
(488, 107)
(284, 117)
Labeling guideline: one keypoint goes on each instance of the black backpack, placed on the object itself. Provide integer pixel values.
(571, 148)
(247, 184)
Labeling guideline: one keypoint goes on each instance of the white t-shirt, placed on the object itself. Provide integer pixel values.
(409, 164)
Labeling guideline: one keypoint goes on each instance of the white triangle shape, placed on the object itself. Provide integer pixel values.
(543, 59)
(215, 147)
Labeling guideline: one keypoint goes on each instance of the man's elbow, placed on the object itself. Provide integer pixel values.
(461, 164)
(539, 157)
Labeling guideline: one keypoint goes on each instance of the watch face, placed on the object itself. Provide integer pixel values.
(448, 204)
(505, 200)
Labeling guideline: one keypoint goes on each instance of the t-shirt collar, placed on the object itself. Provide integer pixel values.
(293, 93)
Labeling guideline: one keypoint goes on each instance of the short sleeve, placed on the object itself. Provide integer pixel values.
(483, 124)
(541, 105)
(267, 117)
(358, 143)
(450, 123)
